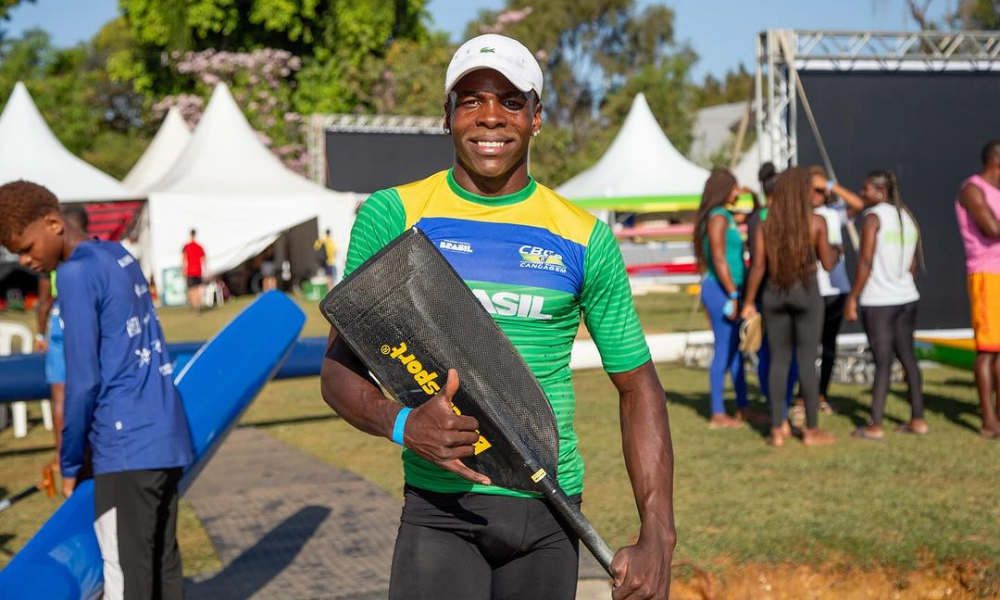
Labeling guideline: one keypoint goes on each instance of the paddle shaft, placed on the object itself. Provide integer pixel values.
(580, 524)
(8, 502)
(47, 484)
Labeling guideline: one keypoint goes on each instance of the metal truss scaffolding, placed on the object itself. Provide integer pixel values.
(782, 53)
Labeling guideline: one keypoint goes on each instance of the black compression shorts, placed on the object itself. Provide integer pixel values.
(482, 547)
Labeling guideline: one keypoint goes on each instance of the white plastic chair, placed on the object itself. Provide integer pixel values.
(8, 333)
(213, 295)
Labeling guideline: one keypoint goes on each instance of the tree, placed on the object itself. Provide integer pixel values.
(596, 54)
(85, 109)
(333, 38)
(260, 82)
(736, 86)
(5, 6)
(981, 15)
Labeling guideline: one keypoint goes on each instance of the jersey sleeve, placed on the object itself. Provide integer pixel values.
(80, 292)
(380, 220)
(608, 309)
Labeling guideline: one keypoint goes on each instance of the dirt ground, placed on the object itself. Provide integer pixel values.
(786, 582)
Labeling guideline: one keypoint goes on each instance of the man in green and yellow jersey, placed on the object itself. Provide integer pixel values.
(537, 263)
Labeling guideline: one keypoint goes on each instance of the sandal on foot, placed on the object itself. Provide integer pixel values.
(726, 423)
(825, 408)
(908, 428)
(864, 434)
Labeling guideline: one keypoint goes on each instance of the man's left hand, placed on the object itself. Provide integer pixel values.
(642, 571)
(69, 484)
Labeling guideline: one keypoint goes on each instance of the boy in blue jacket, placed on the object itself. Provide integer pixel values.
(120, 396)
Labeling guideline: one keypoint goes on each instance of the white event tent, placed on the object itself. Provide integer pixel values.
(640, 172)
(30, 151)
(239, 197)
(163, 151)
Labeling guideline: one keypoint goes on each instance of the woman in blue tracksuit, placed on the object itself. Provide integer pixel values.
(718, 248)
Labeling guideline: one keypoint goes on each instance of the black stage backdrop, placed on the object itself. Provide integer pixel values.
(366, 162)
(927, 127)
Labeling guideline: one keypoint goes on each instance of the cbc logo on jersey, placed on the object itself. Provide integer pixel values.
(535, 257)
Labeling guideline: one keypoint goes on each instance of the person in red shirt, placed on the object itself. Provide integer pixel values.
(193, 265)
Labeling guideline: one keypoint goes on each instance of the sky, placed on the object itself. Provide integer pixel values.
(720, 31)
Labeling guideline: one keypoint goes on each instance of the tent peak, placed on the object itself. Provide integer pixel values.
(30, 150)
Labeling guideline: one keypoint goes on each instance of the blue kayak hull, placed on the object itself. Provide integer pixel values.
(62, 561)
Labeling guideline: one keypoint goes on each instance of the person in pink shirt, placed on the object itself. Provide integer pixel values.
(978, 211)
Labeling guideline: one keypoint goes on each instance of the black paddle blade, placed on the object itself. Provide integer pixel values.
(409, 317)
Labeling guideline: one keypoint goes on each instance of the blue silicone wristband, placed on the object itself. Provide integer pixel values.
(400, 426)
(734, 295)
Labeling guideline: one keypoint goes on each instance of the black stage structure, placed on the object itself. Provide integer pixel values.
(919, 104)
(365, 153)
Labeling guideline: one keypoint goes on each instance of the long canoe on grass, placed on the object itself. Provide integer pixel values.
(62, 560)
(958, 353)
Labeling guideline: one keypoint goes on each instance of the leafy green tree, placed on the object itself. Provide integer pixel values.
(736, 86)
(335, 39)
(5, 6)
(260, 82)
(978, 14)
(83, 106)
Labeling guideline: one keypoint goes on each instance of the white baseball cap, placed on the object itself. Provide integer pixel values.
(504, 54)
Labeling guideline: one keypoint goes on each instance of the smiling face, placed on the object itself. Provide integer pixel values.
(40, 246)
(491, 122)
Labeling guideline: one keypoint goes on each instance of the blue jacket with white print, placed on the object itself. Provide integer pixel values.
(120, 394)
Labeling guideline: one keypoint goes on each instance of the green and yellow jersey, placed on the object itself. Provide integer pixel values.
(536, 262)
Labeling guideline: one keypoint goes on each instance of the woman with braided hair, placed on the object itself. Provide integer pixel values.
(718, 249)
(793, 240)
(885, 291)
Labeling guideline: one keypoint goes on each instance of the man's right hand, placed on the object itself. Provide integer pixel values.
(41, 345)
(438, 435)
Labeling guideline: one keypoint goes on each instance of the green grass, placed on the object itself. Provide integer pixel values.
(659, 313)
(895, 504)
(900, 504)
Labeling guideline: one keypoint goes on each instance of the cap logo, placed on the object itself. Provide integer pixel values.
(487, 50)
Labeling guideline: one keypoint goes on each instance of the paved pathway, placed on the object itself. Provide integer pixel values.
(287, 525)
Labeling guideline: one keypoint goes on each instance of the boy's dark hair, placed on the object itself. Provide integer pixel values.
(21, 204)
(194, 232)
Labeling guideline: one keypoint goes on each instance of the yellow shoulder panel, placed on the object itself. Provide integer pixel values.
(433, 198)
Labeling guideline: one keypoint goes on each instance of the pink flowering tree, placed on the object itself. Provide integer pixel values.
(262, 83)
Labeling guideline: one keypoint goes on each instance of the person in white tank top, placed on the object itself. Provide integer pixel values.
(836, 204)
(884, 287)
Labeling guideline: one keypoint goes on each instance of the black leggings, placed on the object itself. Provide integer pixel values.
(890, 335)
(482, 547)
(833, 316)
(793, 320)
